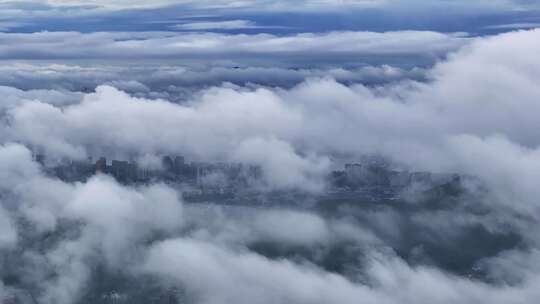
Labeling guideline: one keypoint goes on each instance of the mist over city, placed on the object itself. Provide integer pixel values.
(269, 152)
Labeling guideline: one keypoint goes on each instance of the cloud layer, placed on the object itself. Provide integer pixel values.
(166, 45)
(427, 123)
(261, 4)
(60, 240)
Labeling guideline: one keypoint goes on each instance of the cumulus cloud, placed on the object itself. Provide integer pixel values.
(114, 220)
(235, 277)
(319, 116)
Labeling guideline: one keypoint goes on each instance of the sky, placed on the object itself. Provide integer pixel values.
(297, 88)
(267, 16)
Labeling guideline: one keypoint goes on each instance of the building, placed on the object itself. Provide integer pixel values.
(101, 165)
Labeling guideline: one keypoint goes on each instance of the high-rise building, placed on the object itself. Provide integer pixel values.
(168, 163)
(179, 163)
(101, 165)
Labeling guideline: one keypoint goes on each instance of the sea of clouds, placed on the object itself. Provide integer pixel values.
(475, 113)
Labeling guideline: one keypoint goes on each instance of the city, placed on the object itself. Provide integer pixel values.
(373, 178)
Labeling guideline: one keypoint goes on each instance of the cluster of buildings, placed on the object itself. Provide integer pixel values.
(381, 174)
(173, 169)
(373, 177)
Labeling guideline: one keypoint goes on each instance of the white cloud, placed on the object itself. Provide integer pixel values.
(217, 25)
(320, 117)
(211, 274)
(463, 119)
(166, 45)
(114, 221)
(291, 228)
(298, 5)
(209, 4)
(513, 26)
(179, 82)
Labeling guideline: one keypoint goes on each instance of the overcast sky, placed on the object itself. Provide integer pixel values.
(477, 16)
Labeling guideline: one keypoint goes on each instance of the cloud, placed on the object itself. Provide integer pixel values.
(265, 5)
(200, 5)
(289, 227)
(114, 45)
(217, 25)
(513, 26)
(211, 274)
(113, 219)
(7, 25)
(38, 15)
(179, 83)
(281, 165)
(59, 236)
(319, 117)
(8, 236)
(235, 277)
